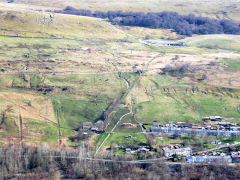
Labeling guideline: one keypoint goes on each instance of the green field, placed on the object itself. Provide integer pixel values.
(222, 41)
(119, 139)
(231, 64)
(73, 111)
(180, 103)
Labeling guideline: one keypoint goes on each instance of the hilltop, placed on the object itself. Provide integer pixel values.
(216, 8)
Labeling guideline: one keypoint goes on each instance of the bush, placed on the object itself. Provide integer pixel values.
(176, 70)
(182, 24)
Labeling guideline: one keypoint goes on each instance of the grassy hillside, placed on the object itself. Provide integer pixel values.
(56, 74)
(216, 8)
(37, 56)
(157, 99)
(221, 41)
(39, 26)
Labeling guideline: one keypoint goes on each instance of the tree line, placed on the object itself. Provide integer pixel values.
(181, 24)
(47, 163)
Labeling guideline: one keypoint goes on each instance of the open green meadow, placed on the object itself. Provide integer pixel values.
(219, 41)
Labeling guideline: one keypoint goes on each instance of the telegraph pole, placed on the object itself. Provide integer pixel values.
(200, 113)
(20, 128)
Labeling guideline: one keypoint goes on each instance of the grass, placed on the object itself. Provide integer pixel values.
(177, 105)
(10, 127)
(185, 111)
(128, 119)
(115, 117)
(196, 142)
(206, 8)
(230, 140)
(219, 41)
(232, 65)
(47, 132)
(99, 140)
(145, 33)
(64, 26)
(40, 41)
(74, 111)
(35, 80)
(94, 87)
(119, 139)
(148, 127)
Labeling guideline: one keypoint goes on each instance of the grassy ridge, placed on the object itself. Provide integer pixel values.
(229, 9)
(38, 25)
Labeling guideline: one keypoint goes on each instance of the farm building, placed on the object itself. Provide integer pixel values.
(141, 150)
(165, 43)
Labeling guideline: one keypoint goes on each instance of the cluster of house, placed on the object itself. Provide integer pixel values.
(97, 130)
(216, 123)
(214, 141)
(215, 157)
(213, 126)
(209, 159)
(220, 153)
(220, 157)
(178, 149)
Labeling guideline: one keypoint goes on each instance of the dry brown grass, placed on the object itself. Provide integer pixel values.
(28, 105)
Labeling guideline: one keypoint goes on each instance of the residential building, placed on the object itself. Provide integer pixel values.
(209, 159)
(180, 151)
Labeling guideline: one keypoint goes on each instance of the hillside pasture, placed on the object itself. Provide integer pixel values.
(229, 9)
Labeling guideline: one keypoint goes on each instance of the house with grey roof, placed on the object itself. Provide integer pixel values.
(180, 152)
(209, 159)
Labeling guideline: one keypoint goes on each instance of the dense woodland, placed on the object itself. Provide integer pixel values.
(45, 163)
(182, 24)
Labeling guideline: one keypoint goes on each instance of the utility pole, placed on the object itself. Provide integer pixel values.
(46, 116)
(200, 113)
(20, 128)
(83, 155)
(59, 131)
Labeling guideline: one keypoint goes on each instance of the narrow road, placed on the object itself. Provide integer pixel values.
(145, 161)
(100, 147)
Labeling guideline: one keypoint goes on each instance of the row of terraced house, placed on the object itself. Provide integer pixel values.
(213, 126)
